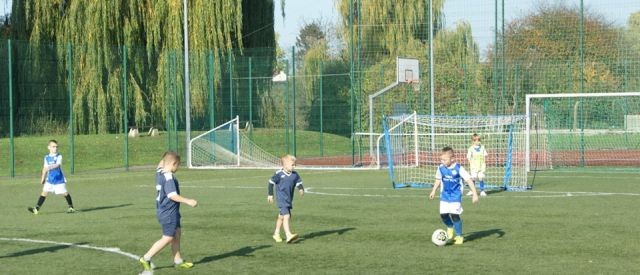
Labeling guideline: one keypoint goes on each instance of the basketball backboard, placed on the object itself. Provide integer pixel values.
(408, 70)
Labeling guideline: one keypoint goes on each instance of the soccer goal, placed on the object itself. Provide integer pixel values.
(226, 146)
(583, 129)
(414, 142)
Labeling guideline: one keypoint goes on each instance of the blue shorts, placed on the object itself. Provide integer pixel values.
(285, 210)
(169, 229)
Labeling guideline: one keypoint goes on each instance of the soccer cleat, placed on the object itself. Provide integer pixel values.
(458, 240)
(145, 264)
(277, 238)
(71, 210)
(184, 265)
(292, 238)
(483, 194)
(449, 233)
(33, 210)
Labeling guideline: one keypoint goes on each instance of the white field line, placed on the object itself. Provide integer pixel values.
(314, 191)
(105, 249)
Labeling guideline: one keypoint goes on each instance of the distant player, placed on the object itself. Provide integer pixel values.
(477, 155)
(168, 201)
(449, 176)
(52, 179)
(285, 181)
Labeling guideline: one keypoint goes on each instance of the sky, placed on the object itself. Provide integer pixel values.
(480, 14)
(5, 6)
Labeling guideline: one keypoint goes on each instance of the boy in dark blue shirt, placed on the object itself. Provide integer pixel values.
(168, 201)
(285, 181)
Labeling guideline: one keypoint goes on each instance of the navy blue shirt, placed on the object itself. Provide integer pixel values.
(285, 184)
(168, 211)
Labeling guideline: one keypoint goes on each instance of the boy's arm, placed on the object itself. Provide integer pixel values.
(270, 192)
(467, 178)
(181, 199)
(44, 175)
(434, 188)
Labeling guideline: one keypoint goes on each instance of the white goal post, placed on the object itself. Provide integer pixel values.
(582, 129)
(413, 145)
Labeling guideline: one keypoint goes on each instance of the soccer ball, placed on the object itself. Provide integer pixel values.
(439, 237)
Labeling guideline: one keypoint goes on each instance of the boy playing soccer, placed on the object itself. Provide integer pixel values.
(450, 175)
(476, 156)
(52, 179)
(285, 181)
(168, 201)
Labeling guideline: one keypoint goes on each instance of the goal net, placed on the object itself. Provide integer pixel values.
(583, 129)
(414, 142)
(226, 146)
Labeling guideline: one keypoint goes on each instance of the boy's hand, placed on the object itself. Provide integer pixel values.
(474, 197)
(192, 203)
(270, 199)
(432, 194)
(301, 191)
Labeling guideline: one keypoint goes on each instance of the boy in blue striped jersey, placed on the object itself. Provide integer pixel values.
(285, 181)
(449, 177)
(52, 179)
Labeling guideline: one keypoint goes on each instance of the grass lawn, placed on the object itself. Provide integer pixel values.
(350, 222)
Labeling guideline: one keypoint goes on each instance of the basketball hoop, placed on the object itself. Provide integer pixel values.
(414, 84)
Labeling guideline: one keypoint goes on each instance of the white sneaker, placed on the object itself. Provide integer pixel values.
(469, 193)
(483, 194)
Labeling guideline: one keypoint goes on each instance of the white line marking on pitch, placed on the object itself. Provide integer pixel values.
(105, 249)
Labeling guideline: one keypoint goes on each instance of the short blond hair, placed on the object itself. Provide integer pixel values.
(170, 157)
(287, 158)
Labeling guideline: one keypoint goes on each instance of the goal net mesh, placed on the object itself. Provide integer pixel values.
(581, 130)
(414, 142)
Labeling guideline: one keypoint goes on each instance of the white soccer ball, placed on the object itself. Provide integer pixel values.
(439, 237)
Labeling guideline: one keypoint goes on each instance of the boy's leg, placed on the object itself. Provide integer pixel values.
(67, 197)
(34, 210)
(175, 250)
(481, 179)
(457, 225)
(446, 219)
(287, 228)
(276, 233)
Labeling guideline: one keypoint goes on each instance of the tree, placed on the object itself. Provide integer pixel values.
(544, 48)
(93, 35)
(310, 35)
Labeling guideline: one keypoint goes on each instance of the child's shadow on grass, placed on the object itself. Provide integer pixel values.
(49, 249)
(241, 252)
(323, 233)
(482, 234)
(104, 207)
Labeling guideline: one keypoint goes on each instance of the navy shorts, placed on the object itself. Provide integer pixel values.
(169, 229)
(285, 210)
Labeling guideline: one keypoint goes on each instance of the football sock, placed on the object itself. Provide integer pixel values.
(482, 185)
(68, 198)
(446, 219)
(40, 202)
(457, 224)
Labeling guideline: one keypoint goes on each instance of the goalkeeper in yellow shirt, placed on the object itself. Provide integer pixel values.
(476, 156)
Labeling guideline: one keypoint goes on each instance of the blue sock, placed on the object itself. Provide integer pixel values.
(446, 219)
(457, 224)
(481, 185)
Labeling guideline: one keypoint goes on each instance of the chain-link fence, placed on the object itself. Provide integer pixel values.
(310, 102)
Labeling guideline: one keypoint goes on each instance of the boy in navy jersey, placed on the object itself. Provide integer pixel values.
(52, 179)
(285, 181)
(449, 178)
(168, 201)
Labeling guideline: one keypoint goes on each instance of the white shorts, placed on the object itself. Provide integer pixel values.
(450, 207)
(477, 175)
(57, 189)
